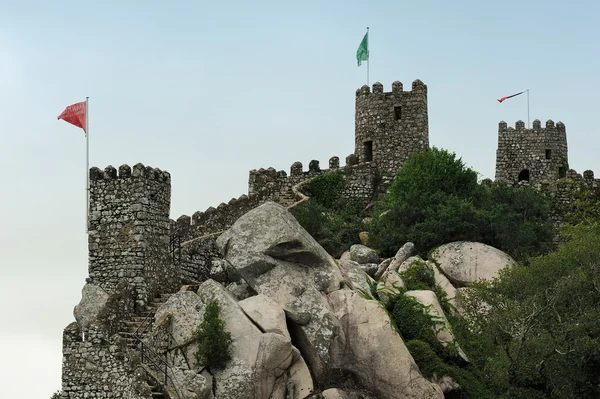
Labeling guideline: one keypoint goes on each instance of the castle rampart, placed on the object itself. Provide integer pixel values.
(534, 155)
(361, 181)
(128, 230)
(390, 125)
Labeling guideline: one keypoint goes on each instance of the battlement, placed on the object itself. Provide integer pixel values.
(125, 172)
(537, 125)
(214, 220)
(397, 89)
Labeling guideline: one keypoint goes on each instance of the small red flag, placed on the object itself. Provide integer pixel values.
(75, 114)
(507, 97)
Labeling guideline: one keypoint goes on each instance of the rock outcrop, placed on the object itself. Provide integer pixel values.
(465, 262)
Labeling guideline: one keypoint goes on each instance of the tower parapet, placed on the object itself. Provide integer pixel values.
(533, 155)
(390, 125)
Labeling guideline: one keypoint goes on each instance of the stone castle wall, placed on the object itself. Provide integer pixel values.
(566, 191)
(95, 368)
(390, 125)
(540, 151)
(361, 180)
(128, 230)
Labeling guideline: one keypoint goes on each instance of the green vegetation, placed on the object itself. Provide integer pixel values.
(56, 395)
(540, 336)
(214, 342)
(435, 199)
(532, 333)
(333, 222)
(418, 330)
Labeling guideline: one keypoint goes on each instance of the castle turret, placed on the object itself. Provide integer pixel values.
(390, 125)
(533, 155)
(128, 230)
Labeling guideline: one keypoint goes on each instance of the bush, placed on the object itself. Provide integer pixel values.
(214, 343)
(56, 395)
(326, 189)
(333, 222)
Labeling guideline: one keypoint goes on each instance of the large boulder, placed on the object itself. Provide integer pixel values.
(185, 311)
(389, 286)
(93, 301)
(356, 276)
(465, 262)
(403, 253)
(445, 284)
(374, 354)
(443, 330)
(280, 260)
(266, 313)
(362, 254)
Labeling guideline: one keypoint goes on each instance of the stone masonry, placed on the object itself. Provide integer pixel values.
(390, 125)
(533, 155)
(129, 230)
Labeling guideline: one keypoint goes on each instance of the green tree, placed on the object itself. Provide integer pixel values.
(435, 199)
(538, 334)
(214, 342)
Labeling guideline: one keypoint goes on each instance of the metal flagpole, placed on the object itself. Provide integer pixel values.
(87, 164)
(368, 55)
(528, 125)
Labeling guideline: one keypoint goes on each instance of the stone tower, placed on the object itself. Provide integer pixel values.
(390, 126)
(533, 155)
(129, 230)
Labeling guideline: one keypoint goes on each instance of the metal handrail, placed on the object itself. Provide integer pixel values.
(161, 365)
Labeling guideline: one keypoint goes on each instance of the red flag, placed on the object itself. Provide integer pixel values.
(507, 97)
(75, 114)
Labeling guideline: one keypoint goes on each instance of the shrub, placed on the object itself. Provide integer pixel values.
(335, 229)
(56, 395)
(214, 343)
(325, 189)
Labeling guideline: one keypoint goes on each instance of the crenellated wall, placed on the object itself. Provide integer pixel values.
(564, 192)
(536, 154)
(362, 180)
(129, 230)
(389, 126)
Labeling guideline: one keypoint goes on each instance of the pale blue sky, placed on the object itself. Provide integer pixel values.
(211, 90)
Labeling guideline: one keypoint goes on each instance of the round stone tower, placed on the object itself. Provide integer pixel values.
(390, 125)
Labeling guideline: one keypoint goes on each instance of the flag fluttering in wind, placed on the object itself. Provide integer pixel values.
(507, 97)
(362, 54)
(76, 115)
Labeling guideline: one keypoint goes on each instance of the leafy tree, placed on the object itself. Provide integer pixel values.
(435, 199)
(538, 334)
(214, 342)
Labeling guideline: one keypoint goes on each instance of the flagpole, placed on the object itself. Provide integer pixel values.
(87, 164)
(528, 125)
(368, 55)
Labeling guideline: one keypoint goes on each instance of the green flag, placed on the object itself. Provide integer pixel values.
(362, 54)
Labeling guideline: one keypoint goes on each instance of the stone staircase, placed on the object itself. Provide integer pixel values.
(141, 324)
(142, 321)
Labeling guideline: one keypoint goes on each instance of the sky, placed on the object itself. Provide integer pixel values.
(211, 90)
